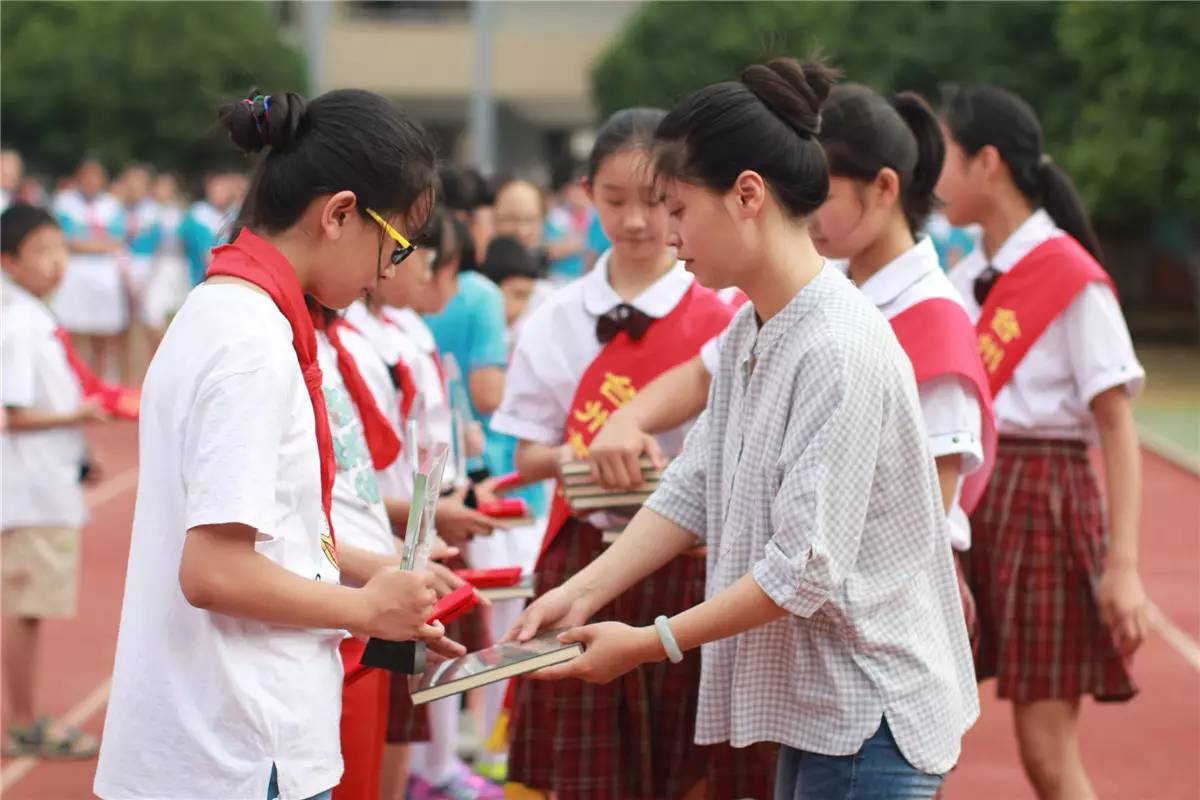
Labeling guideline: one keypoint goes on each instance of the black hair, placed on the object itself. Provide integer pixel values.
(441, 236)
(18, 222)
(767, 122)
(464, 189)
(347, 139)
(467, 260)
(624, 130)
(978, 116)
(862, 133)
(508, 258)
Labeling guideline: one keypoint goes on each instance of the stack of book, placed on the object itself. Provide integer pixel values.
(585, 494)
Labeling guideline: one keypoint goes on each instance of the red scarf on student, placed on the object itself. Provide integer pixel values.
(255, 261)
(119, 401)
(382, 441)
(402, 375)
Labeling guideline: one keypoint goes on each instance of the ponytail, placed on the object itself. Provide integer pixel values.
(864, 133)
(979, 116)
(1061, 200)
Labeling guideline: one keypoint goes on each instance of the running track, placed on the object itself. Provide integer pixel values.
(1144, 750)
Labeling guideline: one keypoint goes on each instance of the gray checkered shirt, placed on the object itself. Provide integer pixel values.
(809, 469)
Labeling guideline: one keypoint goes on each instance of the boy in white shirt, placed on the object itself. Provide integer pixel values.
(44, 451)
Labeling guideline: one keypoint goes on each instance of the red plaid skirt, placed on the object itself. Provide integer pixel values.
(634, 738)
(1038, 542)
(406, 723)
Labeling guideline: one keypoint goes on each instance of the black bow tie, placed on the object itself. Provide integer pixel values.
(622, 318)
(984, 283)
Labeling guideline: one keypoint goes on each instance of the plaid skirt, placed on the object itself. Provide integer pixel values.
(634, 738)
(406, 723)
(1037, 555)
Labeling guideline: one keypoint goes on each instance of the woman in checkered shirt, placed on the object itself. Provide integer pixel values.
(832, 623)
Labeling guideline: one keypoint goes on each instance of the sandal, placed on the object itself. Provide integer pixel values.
(24, 741)
(70, 745)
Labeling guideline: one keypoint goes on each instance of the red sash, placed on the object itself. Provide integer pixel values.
(1027, 298)
(402, 375)
(254, 260)
(938, 338)
(624, 366)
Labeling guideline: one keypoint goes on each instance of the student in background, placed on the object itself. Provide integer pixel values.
(205, 223)
(169, 286)
(566, 232)
(12, 170)
(44, 451)
(92, 303)
(143, 235)
(1055, 576)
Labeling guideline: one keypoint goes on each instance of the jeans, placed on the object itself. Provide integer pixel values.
(273, 788)
(878, 771)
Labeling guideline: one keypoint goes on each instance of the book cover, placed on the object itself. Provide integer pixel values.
(493, 664)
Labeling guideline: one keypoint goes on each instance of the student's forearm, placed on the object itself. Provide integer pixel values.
(671, 399)
(397, 511)
(361, 565)
(741, 607)
(536, 461)
(648, 542)
(240, 582)
(565, 248)
(1123, 472)
(486, 385)
(948, 470)
(31, 419)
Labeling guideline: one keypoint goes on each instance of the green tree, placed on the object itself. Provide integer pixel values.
(1113, 83)
(132, 81)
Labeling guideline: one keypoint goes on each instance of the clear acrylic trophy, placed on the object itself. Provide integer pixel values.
(409, 657)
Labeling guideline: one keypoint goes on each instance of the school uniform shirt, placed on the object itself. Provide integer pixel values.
(203, 704)
(810, 471)
(420, 352)
(1085, 351)
(388, 345)
(949, 406)
(91, 298)
(359, 515)
(40, 475)
(558, 343)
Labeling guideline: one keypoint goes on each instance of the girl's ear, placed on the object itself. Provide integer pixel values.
(749, 192)
(335, 211)
(887, 185)
(588, 189)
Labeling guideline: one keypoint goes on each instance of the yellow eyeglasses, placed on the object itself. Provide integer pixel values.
(404, 248)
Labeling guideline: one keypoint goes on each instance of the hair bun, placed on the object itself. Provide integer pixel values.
(792, 91)
(263, 120)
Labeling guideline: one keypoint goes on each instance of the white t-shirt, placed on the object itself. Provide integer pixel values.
(1086, 350)
(419, 351)
(39, 469)
(203, 703)
(359, 515)
(558, 343)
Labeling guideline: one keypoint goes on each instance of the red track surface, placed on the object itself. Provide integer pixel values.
(1144, 750)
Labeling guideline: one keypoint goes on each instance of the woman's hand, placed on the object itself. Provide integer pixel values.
(557, 608)
(1122, 602)
(610, 650)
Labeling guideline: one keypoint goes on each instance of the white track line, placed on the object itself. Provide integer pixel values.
(111, 488)
(1180, 641)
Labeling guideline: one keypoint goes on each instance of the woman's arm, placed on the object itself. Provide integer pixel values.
(1120, 595)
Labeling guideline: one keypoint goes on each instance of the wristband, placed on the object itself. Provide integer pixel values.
(674, 654)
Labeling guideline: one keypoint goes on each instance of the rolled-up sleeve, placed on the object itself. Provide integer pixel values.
(680, 496)
(817, 516)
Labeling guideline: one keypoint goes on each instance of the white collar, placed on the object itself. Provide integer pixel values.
(1028, 235)
(901, 272)
(657, 300)
(413, 326)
